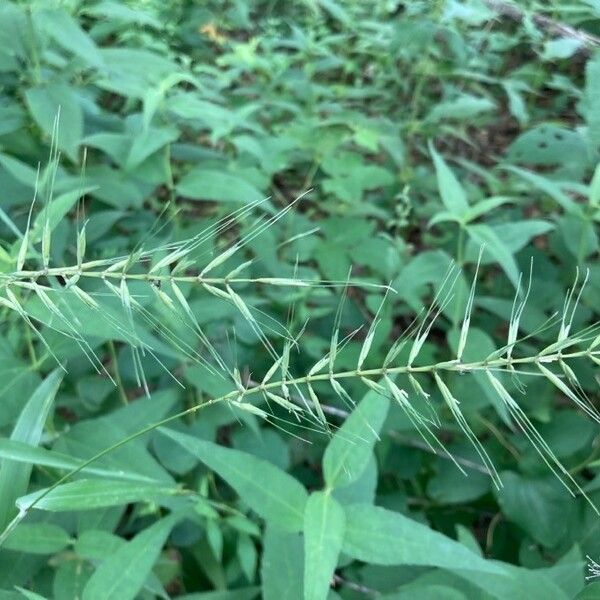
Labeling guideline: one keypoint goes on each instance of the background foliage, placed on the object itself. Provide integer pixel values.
(422, 130)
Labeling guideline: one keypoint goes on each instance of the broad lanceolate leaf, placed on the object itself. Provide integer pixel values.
(123, 574)
(324, 524)
(34, 455)
(67, 33)
(29, 594)
(207, 184)
(56, 212)
(270, 492)
(348, 452)
(37, 538)
(282, 565)
(548, 186)
(452, 193)
(87, 494)
(517, 583)
(484, 235)
(45, 102)
(592, 97)
(14, 476)
(541, 506)
(379, 536)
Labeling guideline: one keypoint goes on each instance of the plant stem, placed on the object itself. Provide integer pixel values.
(24, 278)
(501, 438)
(24, 511)
(311, 173)
(238, 395)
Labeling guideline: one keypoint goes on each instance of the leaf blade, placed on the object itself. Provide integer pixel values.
(123, 574)
(87, 494)
(451, 191)
(281, 502)
(14, 476)
(349, 451)
(324, 524)
(384, 537)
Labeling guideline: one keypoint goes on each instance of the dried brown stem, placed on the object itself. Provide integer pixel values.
(588, 41)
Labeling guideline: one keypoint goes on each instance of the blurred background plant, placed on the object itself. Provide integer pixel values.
(423, 131)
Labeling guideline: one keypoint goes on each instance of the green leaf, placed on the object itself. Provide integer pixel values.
(515, 236)
(21, 171)
(130, 71)
(580, 236)
(350, 175)
(44, 103)
(463, 108)
(568, 432)
(12, 118)
(568, 572)
(282, 565)
(187, 105)
(450, 486)
(443, 216)
(592, 100)
(324, 523)
(147, 142)
(561, 48)
(516, 583)
(56, 211)
(87, 438)
(425, 591)
(115, 11)
(485, 206)
(542, 507)
(361, 490)
(336, 10)
(34, 455)
(425, 268)
(484, 235)
(14, 476)
(247, 555)
(67, 33)
(549, 187)
(96, 544)
(268, 444)
(350, 449)
(123, 574)
(70, 579)
(247, 593)
(208, 184)
(382, 537)
(281, 502)
(594, 196)
(452, 193)
(547, 145)
(31, 595)
(516, 104)
(86, 494)
(589, 592)
(466, 537)
(37, 538)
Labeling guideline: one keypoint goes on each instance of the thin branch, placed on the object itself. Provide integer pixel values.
(588, 41)
(423, 446)
(356, 587)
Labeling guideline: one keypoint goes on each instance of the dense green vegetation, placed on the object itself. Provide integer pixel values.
(377, 378)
